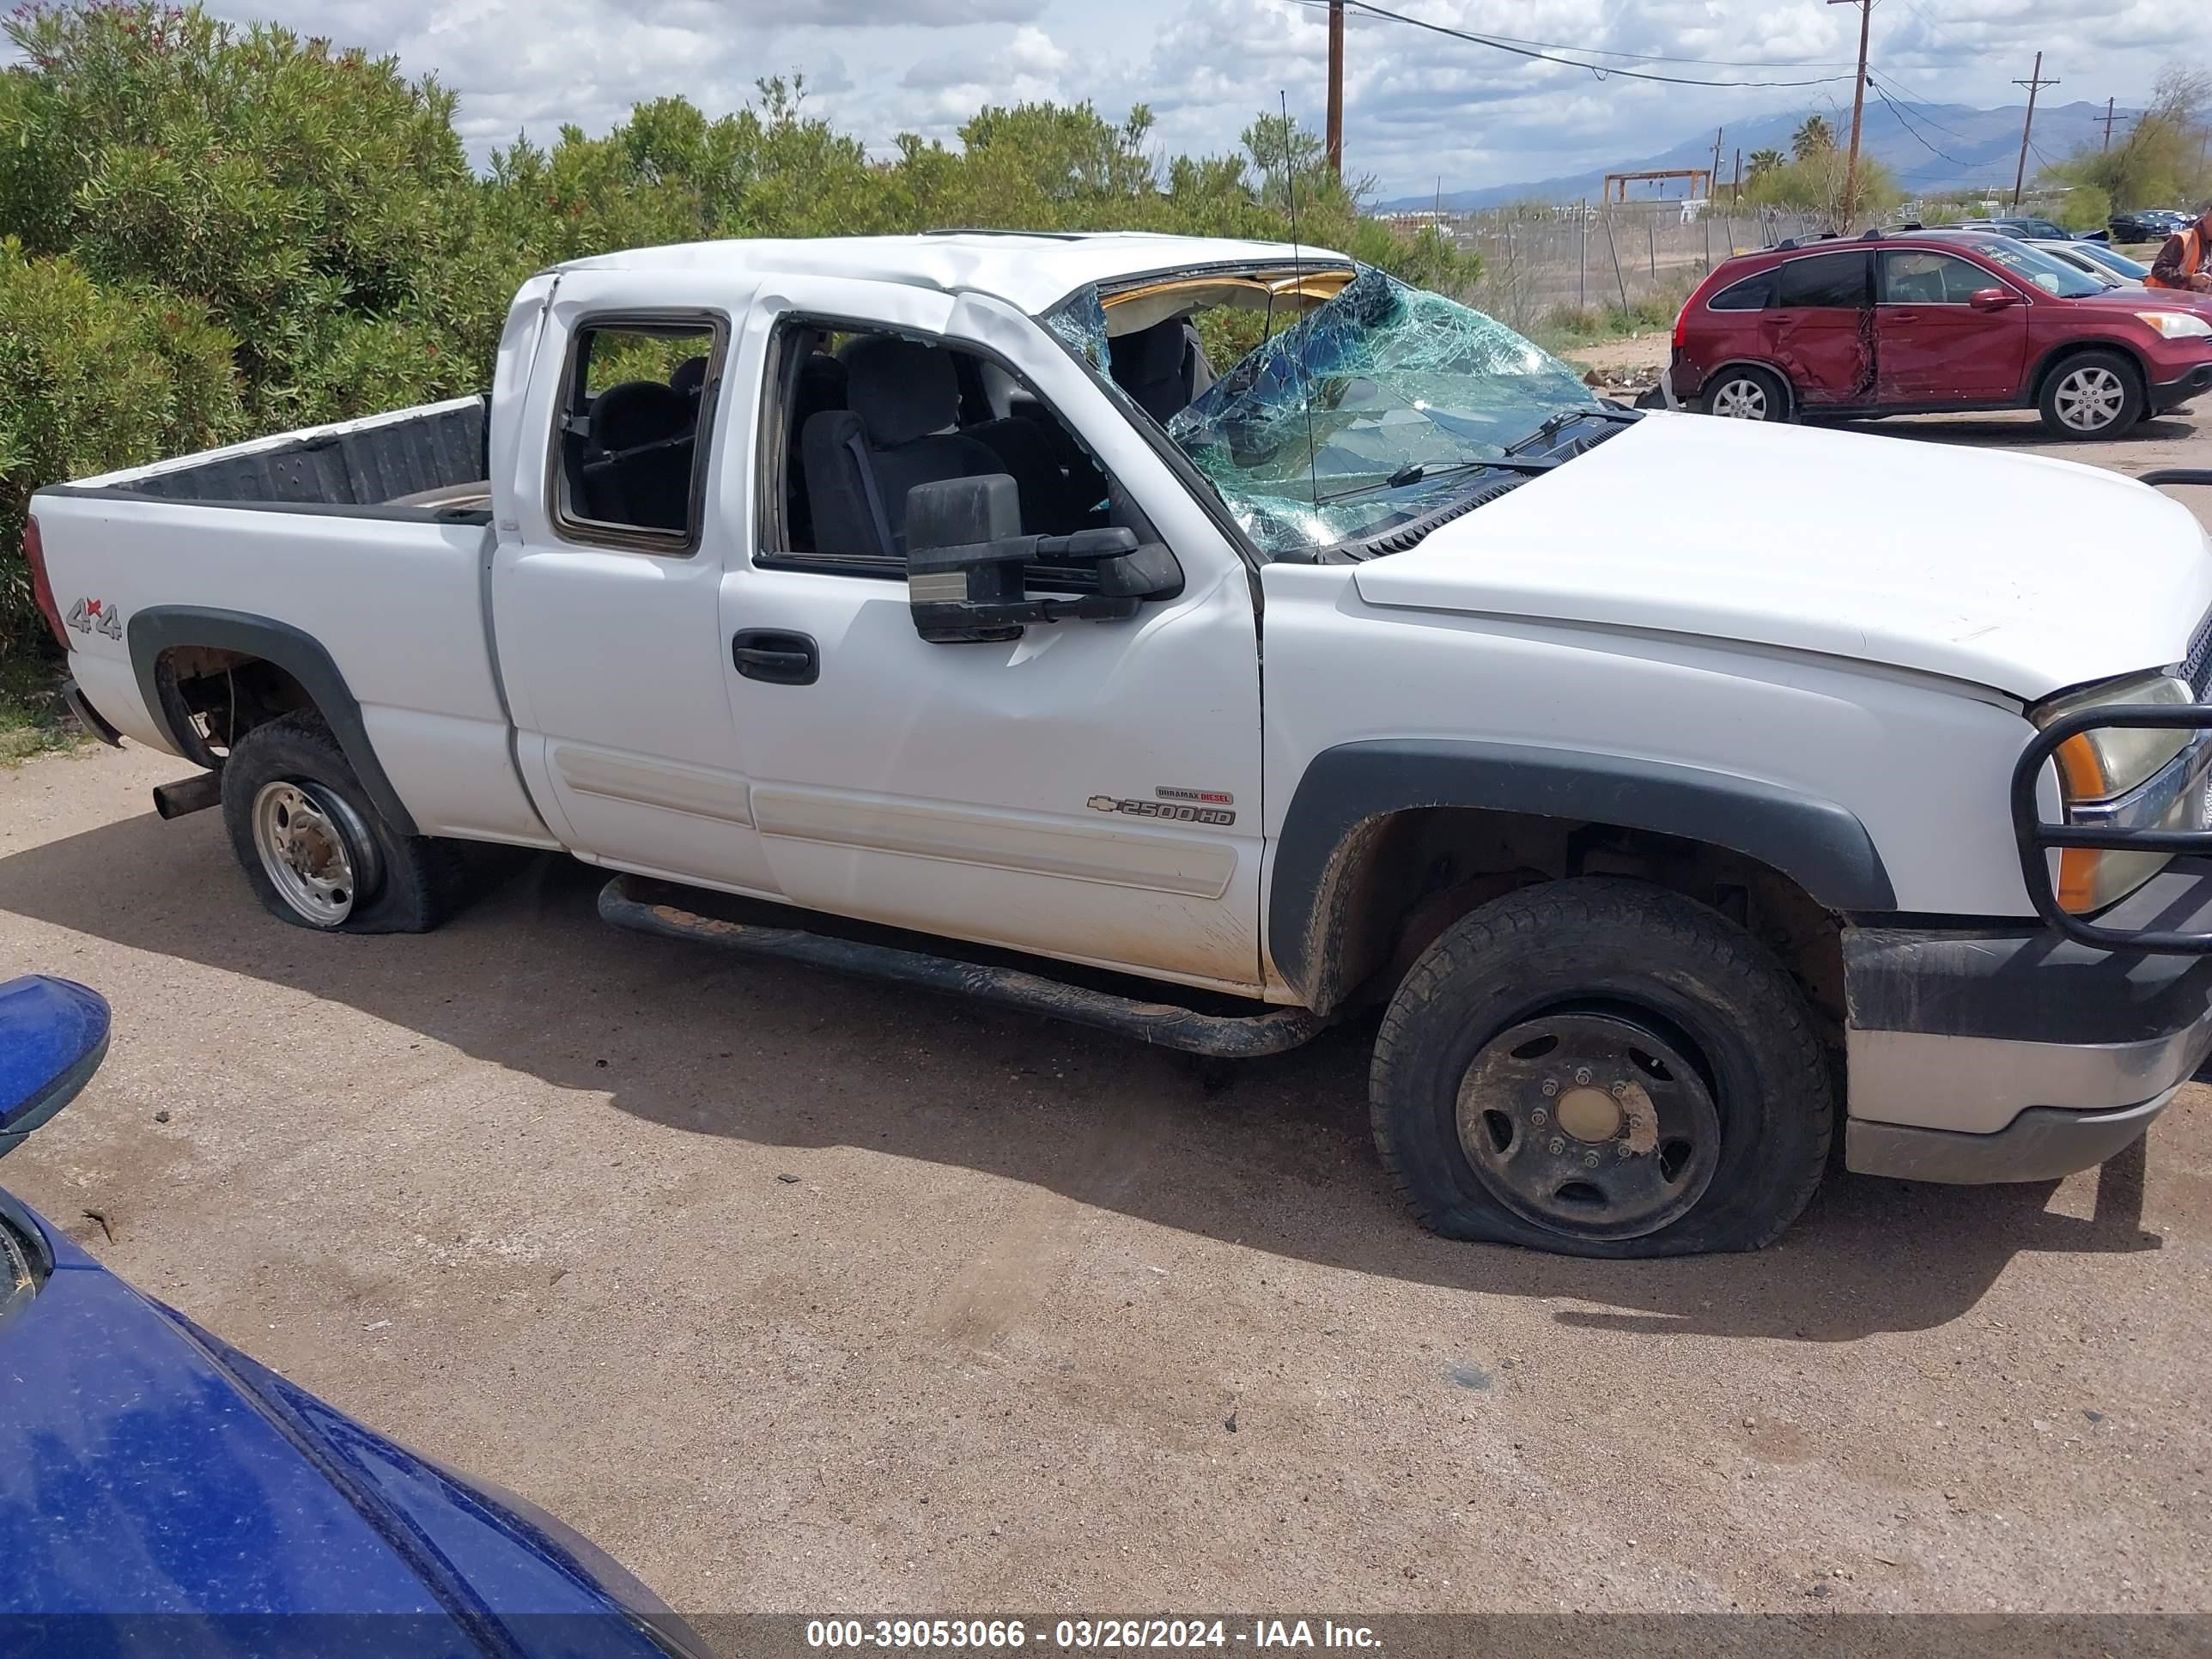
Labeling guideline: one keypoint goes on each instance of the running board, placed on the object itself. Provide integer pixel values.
(1163, 1024)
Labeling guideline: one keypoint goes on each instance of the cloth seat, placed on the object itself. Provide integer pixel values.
(1162, 368)
(902, 398)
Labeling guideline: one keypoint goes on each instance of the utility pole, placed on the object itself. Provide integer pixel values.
(1335, 88)
(1738, 192)
(1713, 178)
(1858, 109)
(2108, 120)
(2034, 83)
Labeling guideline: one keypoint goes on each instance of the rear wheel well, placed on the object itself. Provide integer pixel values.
(1400, 880)
(211, 697)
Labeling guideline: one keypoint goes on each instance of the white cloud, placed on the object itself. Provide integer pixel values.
(1418, 104)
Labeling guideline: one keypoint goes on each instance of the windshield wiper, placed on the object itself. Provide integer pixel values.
(1416, 473)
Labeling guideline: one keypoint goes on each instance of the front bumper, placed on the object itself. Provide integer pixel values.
(2167, 394)
(2012, 1054)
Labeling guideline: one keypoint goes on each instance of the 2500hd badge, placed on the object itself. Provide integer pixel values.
(1175, 805)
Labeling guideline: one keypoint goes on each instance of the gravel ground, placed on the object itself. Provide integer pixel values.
(810, 1296)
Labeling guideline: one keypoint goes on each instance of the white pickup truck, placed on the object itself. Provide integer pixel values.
(1666, 782)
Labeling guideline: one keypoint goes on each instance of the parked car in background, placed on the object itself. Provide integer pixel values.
(2102, 254)
(151, 1473)
(2092, 260)
(2146, 224)
(2016, 225)
(1933, 320)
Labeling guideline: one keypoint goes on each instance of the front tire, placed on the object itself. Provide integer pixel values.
(1600, 1068)
(2092, 394)
(314, 849)
(1745, 394)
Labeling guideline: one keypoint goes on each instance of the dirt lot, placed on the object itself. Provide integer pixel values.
(805, 1295)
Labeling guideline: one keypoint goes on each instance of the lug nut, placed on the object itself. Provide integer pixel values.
(1622, 1149)
(1559, 1145)
(1582, 1074)
(1590, 1160)
(1619, 1090)
(1550, 1087)
(1539, 1117)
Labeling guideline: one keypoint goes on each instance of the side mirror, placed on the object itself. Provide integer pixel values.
(966, 557)
(1992, 298)
(53, 1035)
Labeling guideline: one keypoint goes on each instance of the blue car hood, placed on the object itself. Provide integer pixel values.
(154, 1480)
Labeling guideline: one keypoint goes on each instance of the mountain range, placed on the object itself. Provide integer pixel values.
(1931, 148)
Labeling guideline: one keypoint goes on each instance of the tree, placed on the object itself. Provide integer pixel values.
(1814, 137)
(1763, 162)
(248, 231)
(1815, 185)
(2160, 161)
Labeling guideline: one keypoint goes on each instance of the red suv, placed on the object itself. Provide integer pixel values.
(1940, 321)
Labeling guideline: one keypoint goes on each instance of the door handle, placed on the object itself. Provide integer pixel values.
(776, 657)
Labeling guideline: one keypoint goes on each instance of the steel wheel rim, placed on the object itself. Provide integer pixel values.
(314, 849)
(2089, 400)
(1589, 1125)
(1741, 400)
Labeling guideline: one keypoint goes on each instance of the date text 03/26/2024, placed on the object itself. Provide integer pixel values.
(1004, 1635)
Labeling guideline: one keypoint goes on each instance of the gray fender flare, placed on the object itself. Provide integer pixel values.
(1820, 845)
(165, 627)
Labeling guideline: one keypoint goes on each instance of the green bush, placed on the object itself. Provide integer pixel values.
(92, 379)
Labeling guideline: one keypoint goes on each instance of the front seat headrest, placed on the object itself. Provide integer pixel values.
(901, 390)
(638, 412)
(689, 378)
(1150, 355)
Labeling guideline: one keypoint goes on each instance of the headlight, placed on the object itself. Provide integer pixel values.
(2125, 777)
(18, 1273)
(2178, 325)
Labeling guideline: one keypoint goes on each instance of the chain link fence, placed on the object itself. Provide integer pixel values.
(1541, 264)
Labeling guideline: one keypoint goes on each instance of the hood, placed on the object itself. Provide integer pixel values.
(148, 1470)
(2014, 571)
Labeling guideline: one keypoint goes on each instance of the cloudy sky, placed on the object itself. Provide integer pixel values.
(1418, 104)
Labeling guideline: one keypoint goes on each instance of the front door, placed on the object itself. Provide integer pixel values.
(607, 578)
(1087, 790)
(1819, 329)
(1930, 343)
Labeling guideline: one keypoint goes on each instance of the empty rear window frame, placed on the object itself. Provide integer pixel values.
(575, 365)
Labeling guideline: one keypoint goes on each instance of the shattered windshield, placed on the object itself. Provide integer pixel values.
(1363, 415)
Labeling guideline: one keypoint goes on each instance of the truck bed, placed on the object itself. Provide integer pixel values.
(432, 461)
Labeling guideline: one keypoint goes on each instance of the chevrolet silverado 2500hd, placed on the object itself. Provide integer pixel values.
(1677, 814)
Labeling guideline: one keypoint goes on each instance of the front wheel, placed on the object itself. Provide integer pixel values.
(1601, 1067)
(314, 849)
(1745, 394)
(2093, 394)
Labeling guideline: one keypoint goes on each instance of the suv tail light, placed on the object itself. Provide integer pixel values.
(1682, 323)
(42, 590)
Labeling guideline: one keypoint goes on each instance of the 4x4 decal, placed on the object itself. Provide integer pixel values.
(95, 616)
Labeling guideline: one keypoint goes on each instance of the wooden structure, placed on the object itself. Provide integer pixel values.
(1701, 181)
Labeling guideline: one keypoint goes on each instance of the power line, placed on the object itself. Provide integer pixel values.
(1605, 51)
(1923, 107)
(1933, 25)
(1601, 71)
(1903, 121)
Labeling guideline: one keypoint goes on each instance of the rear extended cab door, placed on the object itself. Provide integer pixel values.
(608, 638)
